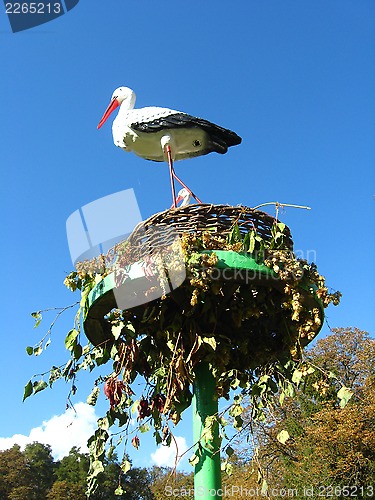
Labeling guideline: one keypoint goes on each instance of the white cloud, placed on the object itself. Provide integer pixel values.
(165, 456)
(61, 432)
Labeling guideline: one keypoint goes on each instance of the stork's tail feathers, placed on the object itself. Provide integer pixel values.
(221, 137)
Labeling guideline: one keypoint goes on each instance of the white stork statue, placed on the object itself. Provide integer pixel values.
(162, 134)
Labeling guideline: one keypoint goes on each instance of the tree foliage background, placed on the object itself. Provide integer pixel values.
(329, 446)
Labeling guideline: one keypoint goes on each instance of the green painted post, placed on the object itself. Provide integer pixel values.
(207, 475)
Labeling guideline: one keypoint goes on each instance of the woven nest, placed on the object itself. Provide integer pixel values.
(162, 228)
(250, 316)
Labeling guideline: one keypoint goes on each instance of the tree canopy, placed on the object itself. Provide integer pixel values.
(313, 440)
(33, 474)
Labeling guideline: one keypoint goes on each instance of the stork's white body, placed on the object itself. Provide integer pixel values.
(186, 143)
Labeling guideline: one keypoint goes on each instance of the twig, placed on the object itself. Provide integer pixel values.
(61, 311)
(278, 204)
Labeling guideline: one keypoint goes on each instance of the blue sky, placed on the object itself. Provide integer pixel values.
(295, 79)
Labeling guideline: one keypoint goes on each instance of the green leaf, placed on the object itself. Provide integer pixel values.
(238, 423)
(66, 370)
(246, 242)
(344, 395)
(121, 416)
(30, 350)
(194, 259)
(119, 491)
(236, 410)
(39, 386)
(209, 430)
(227, 468)
(170, 345)
(101, 355)
(134, 408)
(210, 341)
(96, 467)
(125, 466)
(264, 379)
(168, 440)
(28, 390)
(110, 452)
(283, 436)
(117, 329)
(229, 451)
(77, 351)
(144, 428)
(38, 350)
(86, 349)
(93, 397)
(235, 383)
(112, 353)
(281, 398)
(264, 489)
(54, 374)
(38, 318)
(70, 339)
(97, 442)
(252, 242)
(103, 423)
(193, 460)
(158, 438)
(297, 376)
(289, 390)
(235, 235)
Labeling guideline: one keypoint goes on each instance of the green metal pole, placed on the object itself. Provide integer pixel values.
(207, 475)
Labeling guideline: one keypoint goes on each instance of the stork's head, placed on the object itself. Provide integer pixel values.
(185, 196)
(121, 96)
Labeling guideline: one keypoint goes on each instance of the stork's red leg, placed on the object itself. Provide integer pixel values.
(185, 186)
(171, 173)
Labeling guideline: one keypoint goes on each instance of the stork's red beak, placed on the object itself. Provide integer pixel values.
(112, 106)
(178, 199)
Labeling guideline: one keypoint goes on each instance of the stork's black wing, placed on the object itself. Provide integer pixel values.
(223, 137)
